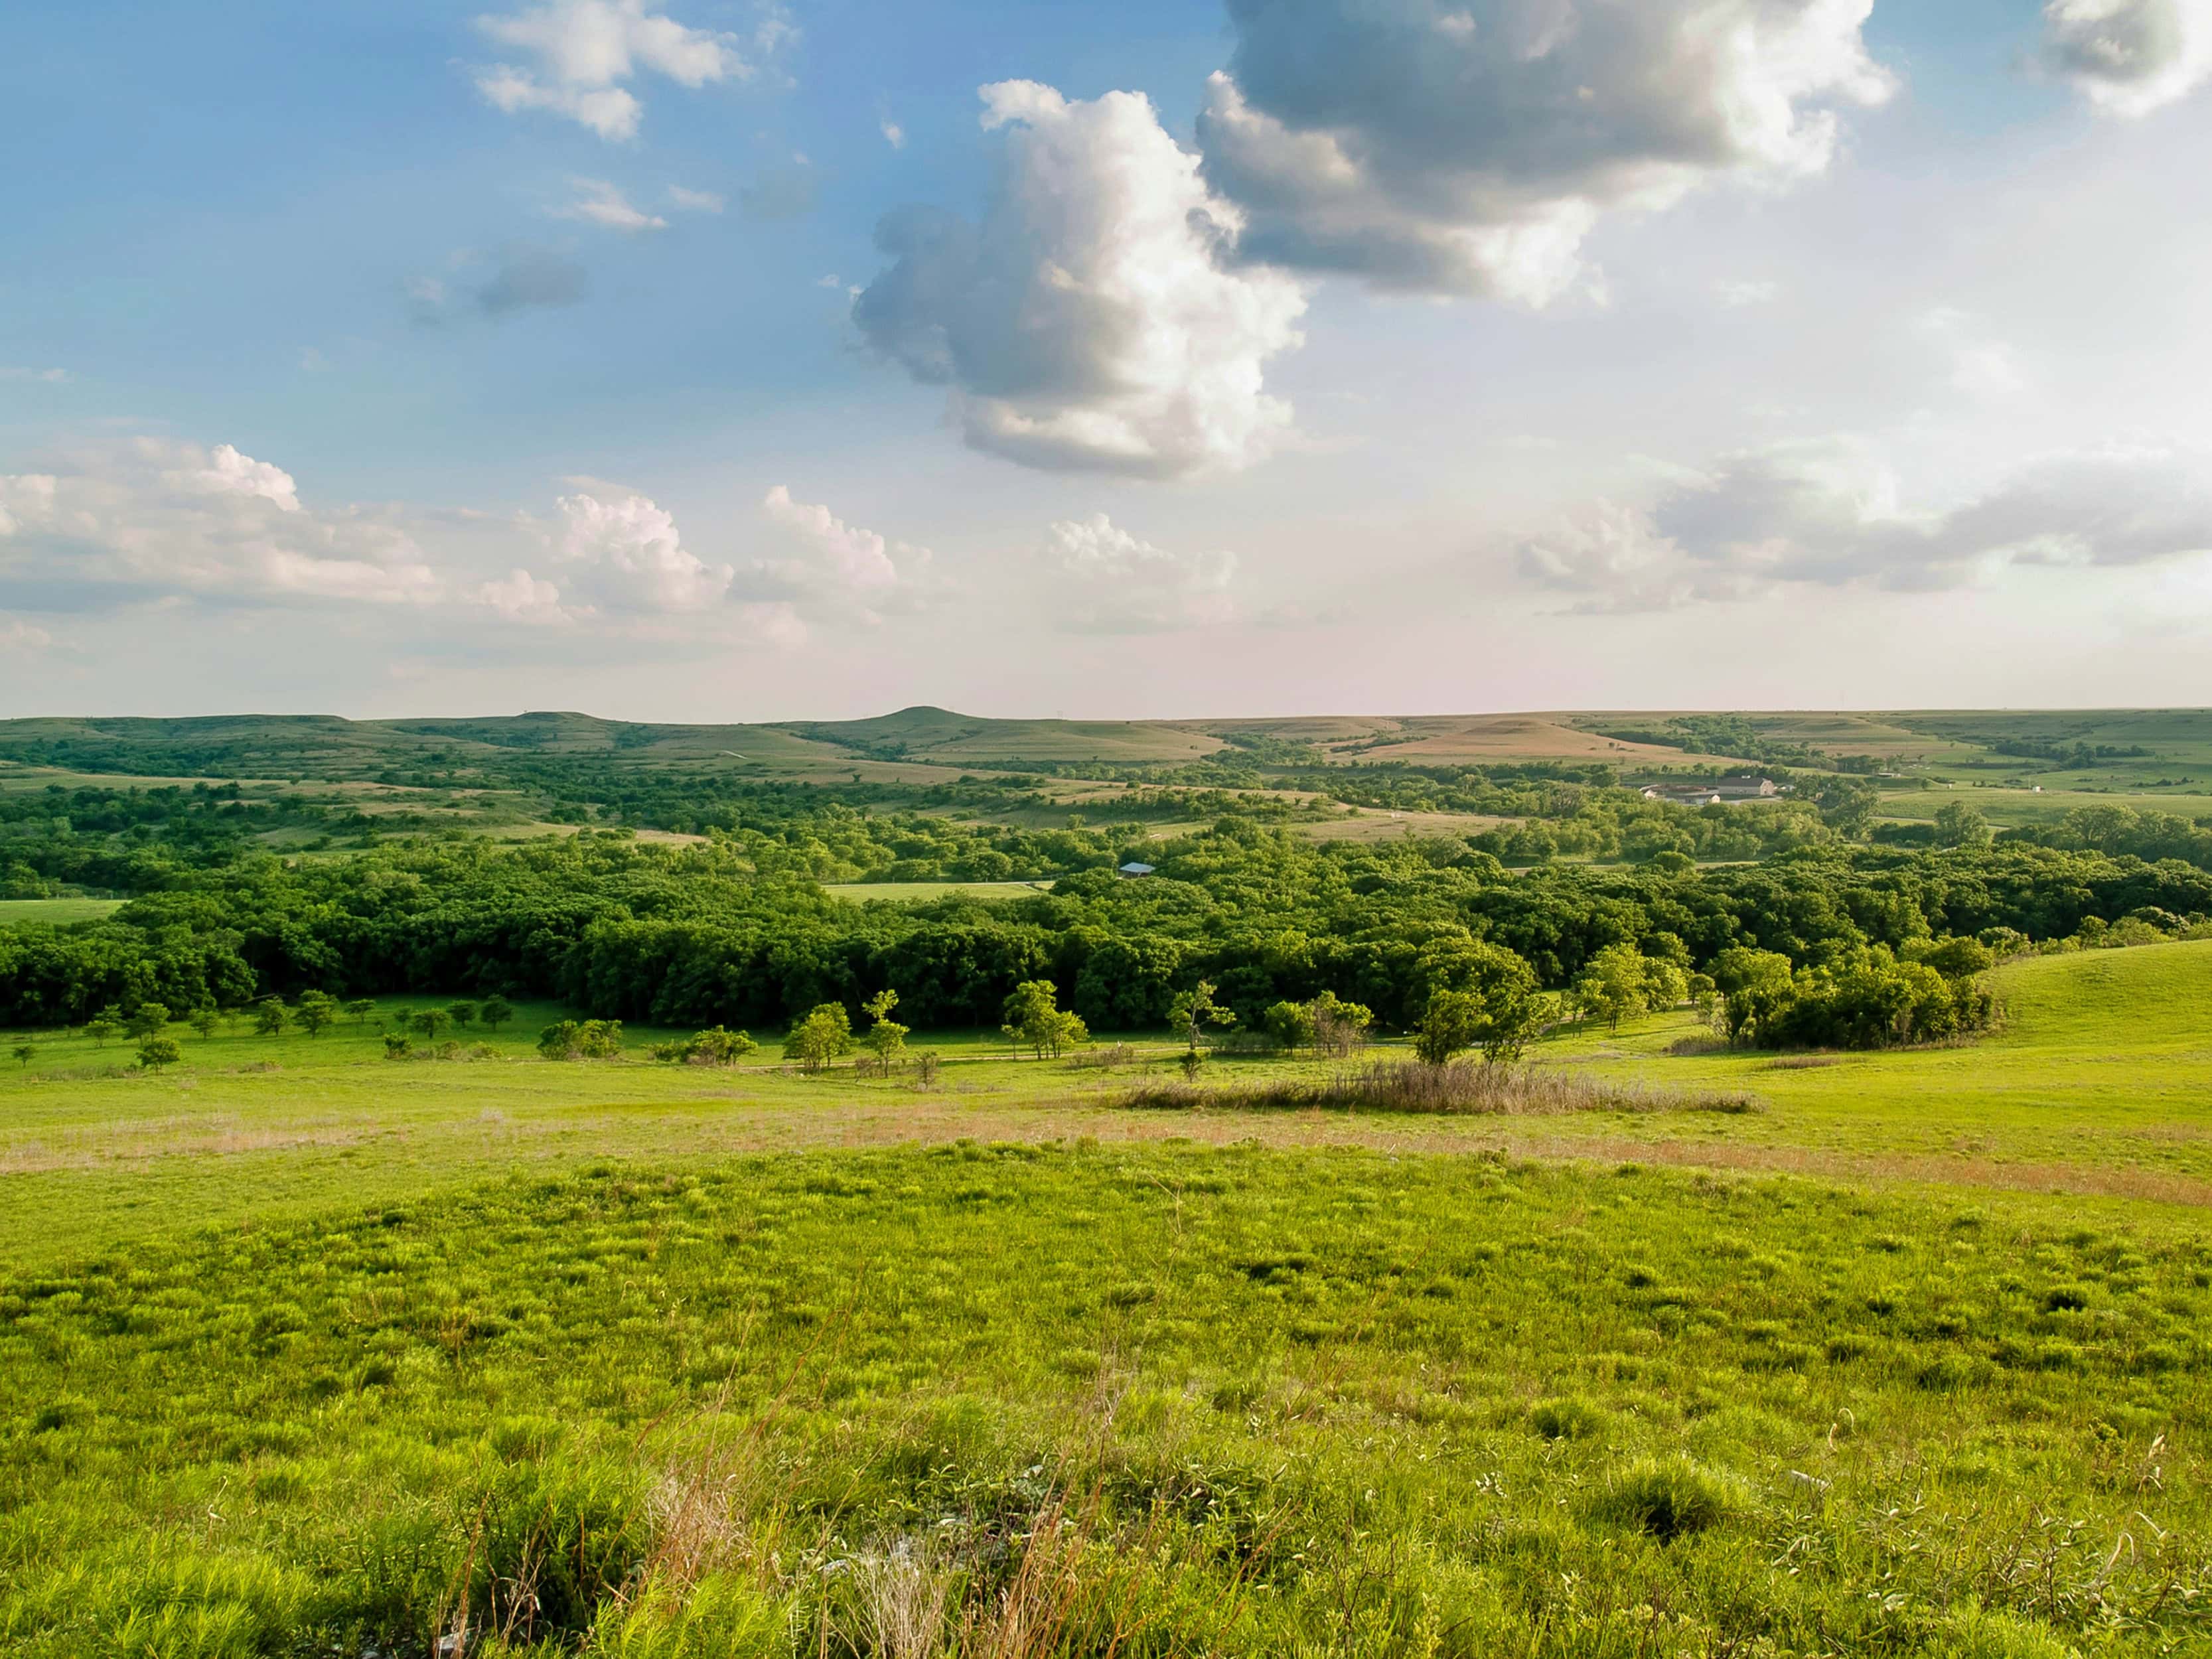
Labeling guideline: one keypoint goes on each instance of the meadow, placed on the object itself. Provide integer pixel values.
(307, 1351)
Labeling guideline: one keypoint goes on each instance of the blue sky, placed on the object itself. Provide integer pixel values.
(327, 382)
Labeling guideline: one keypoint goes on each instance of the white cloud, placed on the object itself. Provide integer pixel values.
(894, 135)
(2130, 57)
(695, 201)
(626, 554)
(1470, 148)
(45, 376)
(1112, 582)
(585, 50)
(599, 203)
(154, 518)
(1832, 513)
(858, 560)
(1089, 322)
(227, 473)
(520, 597)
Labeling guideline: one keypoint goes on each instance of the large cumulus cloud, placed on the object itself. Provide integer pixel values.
(2130, 57)
(1466, 147)
(1090, 321)
(1832, 513)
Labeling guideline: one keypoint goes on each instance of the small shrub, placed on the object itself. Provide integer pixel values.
(1670, 1498)
(1567, 1418)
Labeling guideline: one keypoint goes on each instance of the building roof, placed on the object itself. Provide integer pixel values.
(1137, 869)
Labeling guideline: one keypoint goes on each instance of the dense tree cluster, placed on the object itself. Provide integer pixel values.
(699, 936)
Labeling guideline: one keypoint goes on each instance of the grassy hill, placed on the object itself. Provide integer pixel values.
(301, 1349)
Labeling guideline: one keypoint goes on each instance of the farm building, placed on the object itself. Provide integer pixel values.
(1728, 791)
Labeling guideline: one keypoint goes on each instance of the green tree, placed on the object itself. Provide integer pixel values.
(1616, 985)
(430, 1022)
(1452, 1023)
(25, 1054)
(463, 1014)
(494, 1011)
(886, 1037)
(318, 1011)
(104, 1027)
(825, 1036)
(156, 1052)
(360, 1009)
(1035, 1020)
(1758, 990)
(271, 1016)
(1196, 1010)
(1960, 824)
(204, 1019)
(1340, 1028)
(1289, 1025)
(590, 1039)
(397, 1047)
(716, 1046)
(148, 1019)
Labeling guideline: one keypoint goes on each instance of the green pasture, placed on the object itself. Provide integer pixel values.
(861, 892)
(56, 912)
(306, 1350)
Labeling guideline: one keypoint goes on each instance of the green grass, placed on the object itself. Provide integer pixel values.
(301, 1349)
(56, 912)
(1232, 1401)
(861, 893)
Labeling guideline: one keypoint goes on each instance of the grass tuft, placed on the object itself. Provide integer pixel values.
(1465, 1088)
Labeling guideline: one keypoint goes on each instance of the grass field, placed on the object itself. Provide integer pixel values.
(56, 912)
(302, 1350)
(862, 892)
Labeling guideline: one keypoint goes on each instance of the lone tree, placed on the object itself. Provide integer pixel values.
(1621, 983)
(464, 1014)
(1290, 1026)
(318, 1011)
(886, 1037)
(494, 1011)
(430, 1022)
(156, 1052)
(148, 1019)
(1340, 1028)
(716, 1046)
(825, 1034)
(204, 1019)
(104, 1027)
(271, 1016)
(25, 1054)
(360, 1009)
(1035, 1020)
(1196, 1010)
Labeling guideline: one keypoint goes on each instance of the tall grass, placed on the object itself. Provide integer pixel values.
(1464, 1088)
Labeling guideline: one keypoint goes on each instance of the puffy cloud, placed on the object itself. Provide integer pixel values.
(624, 554)
(229, 473)
(1089, 321)
(1114, 583)
(1468, 147)
(599, 203)
(1830, 512)
(520, 597)
(585, 50)
(857, 559)
(2130, 57)
(894, 134)
(153, 518)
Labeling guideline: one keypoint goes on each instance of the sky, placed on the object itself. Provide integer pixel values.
(736, 360)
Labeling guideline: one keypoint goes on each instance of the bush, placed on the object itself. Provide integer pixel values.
(1670, 1498)
(590, 1039)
